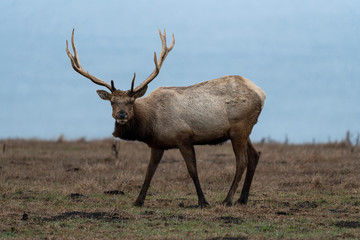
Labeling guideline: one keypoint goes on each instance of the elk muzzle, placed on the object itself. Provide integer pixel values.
(121, 117)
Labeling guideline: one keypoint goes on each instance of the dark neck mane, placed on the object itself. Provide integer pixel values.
(133, 130)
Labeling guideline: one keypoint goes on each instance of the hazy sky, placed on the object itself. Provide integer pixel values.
(304, 54)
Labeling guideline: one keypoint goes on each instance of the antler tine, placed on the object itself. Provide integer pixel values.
(158, 63)
(112, 86)
(132, 84)
(75, 62)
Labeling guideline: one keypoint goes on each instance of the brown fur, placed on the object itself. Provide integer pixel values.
(180, 117)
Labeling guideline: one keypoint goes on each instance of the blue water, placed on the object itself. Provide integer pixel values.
(304, 54)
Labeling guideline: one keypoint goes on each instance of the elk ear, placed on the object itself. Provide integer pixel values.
(104, 94)
(140, 93)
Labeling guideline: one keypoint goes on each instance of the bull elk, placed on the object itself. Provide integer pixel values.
(209, 112)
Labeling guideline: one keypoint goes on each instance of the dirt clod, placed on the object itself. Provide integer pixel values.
(75, 169)
(282, 213)
(182, 205)
(307, 204)
(25, 217)
(148, 213)
(231, 220)
(347, 224)
(338, 210)
(115, 192)
(75, 196)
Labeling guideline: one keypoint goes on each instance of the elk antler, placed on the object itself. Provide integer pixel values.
(158, 63)
(75, 62)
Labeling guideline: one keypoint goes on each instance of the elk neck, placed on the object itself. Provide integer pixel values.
(138, 128)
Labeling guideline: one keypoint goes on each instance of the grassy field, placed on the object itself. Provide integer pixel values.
(81, 190)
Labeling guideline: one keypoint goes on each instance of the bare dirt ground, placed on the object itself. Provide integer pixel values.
(81, 190)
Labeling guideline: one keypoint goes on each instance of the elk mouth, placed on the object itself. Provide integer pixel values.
(121, 121)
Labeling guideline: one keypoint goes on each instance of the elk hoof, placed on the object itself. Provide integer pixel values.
(204, 204)
(138, 204)
(227, 203)
(241, 202)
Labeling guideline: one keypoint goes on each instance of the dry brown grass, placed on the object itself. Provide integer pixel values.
(299, 191)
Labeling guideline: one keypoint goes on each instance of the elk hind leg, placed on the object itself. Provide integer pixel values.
(238, 144)
(188, 153)
(253, 159)
(155, 157)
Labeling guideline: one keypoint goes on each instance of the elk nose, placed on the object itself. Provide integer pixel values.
(122, 114)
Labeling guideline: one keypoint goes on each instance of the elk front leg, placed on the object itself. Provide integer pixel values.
(156, 155)
(188, 153)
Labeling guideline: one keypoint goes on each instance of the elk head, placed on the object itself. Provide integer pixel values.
(122, 102)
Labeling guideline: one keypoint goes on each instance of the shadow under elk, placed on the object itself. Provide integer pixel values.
(209, 112)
